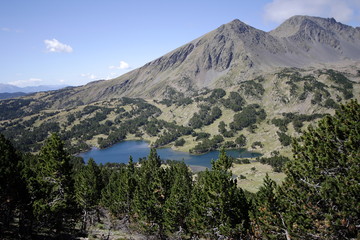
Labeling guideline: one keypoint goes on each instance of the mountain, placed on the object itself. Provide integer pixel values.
(7, 95)
(233, 82)
(8, 88)
(318, 40)
(233, 53)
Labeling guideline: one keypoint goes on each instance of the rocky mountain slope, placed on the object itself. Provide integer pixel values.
(230, 54)
(233, 81)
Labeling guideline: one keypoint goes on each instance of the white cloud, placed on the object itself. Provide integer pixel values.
(5, 29)
(56, 46)
(28, 82)
(88, 75)
(280, 10)
(61, 80)
(122, 65)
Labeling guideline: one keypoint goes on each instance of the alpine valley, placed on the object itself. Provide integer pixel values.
(236, 86)
(290, 94)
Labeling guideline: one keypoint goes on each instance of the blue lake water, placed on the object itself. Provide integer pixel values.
(119, 153)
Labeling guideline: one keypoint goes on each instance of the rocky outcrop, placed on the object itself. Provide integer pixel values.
(329, 39)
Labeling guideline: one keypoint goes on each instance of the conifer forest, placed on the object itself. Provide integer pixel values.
(52, 194)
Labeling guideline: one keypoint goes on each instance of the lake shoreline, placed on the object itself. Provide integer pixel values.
(162, 147)
(120, 153)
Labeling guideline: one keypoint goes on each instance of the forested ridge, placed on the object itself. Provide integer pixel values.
(51, 195)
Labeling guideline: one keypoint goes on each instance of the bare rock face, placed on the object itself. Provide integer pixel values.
(325, 39)
(172, 60)
(230, 54)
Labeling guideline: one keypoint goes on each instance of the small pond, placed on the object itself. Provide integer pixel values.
(119, 153)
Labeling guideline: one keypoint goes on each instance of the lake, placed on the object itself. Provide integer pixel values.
(120, 152)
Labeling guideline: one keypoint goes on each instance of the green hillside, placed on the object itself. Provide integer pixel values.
(267, 110)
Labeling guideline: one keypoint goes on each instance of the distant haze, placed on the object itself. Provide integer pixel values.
(8, 88)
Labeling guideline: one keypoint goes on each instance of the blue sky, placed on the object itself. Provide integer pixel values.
(72, 42)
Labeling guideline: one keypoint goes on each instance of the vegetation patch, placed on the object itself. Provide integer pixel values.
(205, 116)
(234, 102)
(207, 145)
(252, 88)
(247, 117)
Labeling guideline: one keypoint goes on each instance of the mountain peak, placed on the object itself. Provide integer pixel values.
(238, 26)
(235, 25)
(291, 26)
(298, 23)
(233, 53)
(237, 22)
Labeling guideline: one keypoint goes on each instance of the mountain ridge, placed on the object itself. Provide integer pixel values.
(235, 80)
(230, 54)
(224, 58)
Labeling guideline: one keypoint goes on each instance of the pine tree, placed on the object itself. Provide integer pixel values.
(88, 185)
(266, 213)
(118, 194)
(240, 141)
(150, 194)
(176, 207)
(112, 196)
(224, 162)
(321, 193)
(13, 193)
(218, 208)
(130, 185)
(50, 185)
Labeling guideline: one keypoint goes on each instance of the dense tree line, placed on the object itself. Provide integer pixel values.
(215, 95)
(234, 102)
(296, 119)
(171, 96)
(171, 135)
(320, 196)
(224, 131)
(344, 84)
(119, 133)
(207, 145)
(48, 193)
(89, 127)
(30, 140)
(170, 131)
(253, 88)
(158, 199)
(276, 161)
(284, 139)
(15, 108)
(249, 116)
(320, 91)
(183, 101)
(205, 116)
(179, 142)
(200, 135)
(126, 122)
(91, 122)
(240, 141)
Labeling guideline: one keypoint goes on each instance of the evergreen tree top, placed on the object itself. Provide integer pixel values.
(224, 162)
